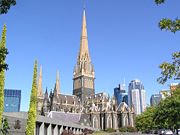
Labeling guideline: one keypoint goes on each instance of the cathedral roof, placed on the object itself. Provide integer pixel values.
(70, 99)
(123, 107)
(99, 97)
(73, 117)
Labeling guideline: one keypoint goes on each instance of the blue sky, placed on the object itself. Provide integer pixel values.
(124, 42)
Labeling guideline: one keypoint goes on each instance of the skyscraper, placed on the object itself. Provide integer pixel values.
(120, 94)
(155, 99)
(12, 100)
(83, 76)
(137, 96)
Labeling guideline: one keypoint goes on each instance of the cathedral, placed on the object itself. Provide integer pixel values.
(85, 106)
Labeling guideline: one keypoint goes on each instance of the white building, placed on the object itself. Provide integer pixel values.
(137, 96)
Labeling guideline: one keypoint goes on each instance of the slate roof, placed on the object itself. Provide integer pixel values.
(70, 99)
(73, 117)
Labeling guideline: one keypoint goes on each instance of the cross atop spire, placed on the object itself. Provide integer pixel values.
(84, 4)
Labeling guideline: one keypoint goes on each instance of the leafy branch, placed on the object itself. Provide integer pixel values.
(170, 70)
(5, 5)
(166, 23)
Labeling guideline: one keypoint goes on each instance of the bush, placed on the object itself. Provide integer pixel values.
(131, 129)
(127, 129)
(110, 130)
(123, 129)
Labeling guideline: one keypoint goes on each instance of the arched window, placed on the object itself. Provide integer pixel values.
(95, 122)
(109, 122)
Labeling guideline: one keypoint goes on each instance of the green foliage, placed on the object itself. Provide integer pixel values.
(168, 24)
(122, 129)
(3, 53)
(5, 127)
(167, 114)
(110, 130)
(31, 121)
(131, 129)
(170, 70)
(3, 50)
(2, 74)
(159, 1)
(5, 5)
(145, 122)
(100, 133)
(127, 129)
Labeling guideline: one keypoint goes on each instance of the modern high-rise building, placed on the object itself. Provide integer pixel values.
(12, 100)
(155, 99)
(120, 94)
(137, 96)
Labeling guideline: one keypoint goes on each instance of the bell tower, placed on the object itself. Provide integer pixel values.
(83, 76)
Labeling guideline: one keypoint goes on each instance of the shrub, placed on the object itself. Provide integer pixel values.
(110, 130)
(127, 129)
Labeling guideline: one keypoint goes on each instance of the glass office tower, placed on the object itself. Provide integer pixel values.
(12, 100)
(120, 94)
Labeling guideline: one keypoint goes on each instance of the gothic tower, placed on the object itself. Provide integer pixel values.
(57, 84)
(40, 95)
(55, 95)
(83, 76)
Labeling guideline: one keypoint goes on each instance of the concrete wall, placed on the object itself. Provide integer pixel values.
(44, 125)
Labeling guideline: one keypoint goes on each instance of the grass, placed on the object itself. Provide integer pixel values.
(100, 133)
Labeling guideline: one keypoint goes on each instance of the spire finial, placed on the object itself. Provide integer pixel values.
(84, 4)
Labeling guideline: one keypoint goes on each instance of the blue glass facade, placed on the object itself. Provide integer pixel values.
(121, 95)
(12, 100)
(155, 99)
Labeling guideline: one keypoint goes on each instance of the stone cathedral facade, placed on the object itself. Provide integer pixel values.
(84, 106)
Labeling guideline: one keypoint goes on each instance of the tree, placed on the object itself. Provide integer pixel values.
(2, 74)
(166, 23)
(170, 70)
(5, 5)
(144, 122)
(167, 113)
(3, 53)
(31, 121)
(5, 127)
(3, 50)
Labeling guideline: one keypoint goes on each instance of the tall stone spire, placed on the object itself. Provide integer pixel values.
(40, 90)
(57, 85)
(84, 50)
(83, 79)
